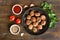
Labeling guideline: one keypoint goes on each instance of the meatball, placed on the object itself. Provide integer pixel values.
(35, 30)
(43, 17)
(33, 19)
(28, 22)
(37, 14)
(40, 27)
(28, 17)
(30, 26)
(35, 24)
(43, 23)
(32, 13)
(38, 19)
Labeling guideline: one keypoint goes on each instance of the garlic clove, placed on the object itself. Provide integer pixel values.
(32, 5)
(25, 6)
(22, 34)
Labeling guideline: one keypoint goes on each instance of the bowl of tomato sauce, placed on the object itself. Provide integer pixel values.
(17, 9)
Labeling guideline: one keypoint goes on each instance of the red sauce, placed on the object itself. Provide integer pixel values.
(17, 9)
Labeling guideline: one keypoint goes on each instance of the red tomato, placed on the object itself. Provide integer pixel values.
(12, 18)
(18, 21)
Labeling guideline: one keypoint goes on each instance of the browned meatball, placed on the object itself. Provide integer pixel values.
(35, 24)
(37, 14)
(35, 30)
(38, 19)
(40, 27)
(43, 17)
(28, 17)
(33, 19)
(32, 13)
(28, 22)
(30, 26)
(43, 23)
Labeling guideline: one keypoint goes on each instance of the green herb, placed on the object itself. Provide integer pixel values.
(48, 8)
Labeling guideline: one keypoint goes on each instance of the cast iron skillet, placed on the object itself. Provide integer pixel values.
(26, 12)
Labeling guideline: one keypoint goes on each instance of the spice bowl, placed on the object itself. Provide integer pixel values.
(17, 9)
(15, 29)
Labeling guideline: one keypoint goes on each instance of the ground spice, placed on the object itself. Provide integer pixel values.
(17, 9)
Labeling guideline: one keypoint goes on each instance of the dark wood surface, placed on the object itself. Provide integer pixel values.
(5, 12)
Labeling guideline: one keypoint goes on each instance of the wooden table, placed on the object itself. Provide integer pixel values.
(5, 12)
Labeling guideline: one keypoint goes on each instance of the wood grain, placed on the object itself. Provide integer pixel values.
(5, 12)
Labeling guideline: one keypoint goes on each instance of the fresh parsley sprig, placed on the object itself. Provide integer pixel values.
(48, 8)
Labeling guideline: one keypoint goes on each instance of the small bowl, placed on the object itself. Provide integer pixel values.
(18, 12)
(15, 33)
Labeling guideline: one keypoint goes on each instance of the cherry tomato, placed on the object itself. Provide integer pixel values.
(18, 21)
(12, 18)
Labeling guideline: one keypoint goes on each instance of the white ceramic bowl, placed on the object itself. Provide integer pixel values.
(13, 9)
(16, 32)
